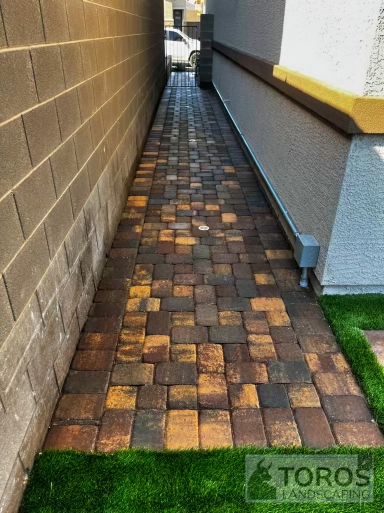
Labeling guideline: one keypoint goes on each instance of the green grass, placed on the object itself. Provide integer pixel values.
(172, 482)
(348, 316)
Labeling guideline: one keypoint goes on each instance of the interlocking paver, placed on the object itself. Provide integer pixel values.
(314, 427)
(243, 396)
(272, 396)
(152, 397)
(115, 431)
(248, 428)
(204, 338)
(346, 408)
(280, 427)
(212, 391)
(182, 397)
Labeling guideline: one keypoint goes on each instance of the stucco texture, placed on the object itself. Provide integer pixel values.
(356, 253)
(304, 158)
(374, 84)
(254, 26)
(330, 41)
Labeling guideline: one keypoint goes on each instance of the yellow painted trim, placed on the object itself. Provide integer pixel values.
(367, 112)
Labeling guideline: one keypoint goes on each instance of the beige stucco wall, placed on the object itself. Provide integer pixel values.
(79, 82)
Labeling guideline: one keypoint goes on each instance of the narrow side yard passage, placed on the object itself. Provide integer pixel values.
(199, 335)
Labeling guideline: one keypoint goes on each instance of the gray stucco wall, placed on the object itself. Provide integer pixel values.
(254, 26)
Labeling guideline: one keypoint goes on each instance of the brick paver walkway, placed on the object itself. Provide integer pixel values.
(203, 338)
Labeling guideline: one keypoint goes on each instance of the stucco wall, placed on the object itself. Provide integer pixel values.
(330, 40)
(254, 26)
(79, 82)
(374, 83)
(356, 254)
(304, 158)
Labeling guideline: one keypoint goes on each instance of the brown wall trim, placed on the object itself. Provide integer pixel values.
(266, 71)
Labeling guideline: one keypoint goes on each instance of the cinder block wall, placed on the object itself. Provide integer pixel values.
(79, 83)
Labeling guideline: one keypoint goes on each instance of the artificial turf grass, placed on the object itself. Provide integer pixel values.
(348, 316)
(138, 481)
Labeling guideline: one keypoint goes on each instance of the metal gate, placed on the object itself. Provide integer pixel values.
(182, 45)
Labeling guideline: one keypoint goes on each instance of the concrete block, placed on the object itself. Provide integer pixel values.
(14, 351)
(42, 129)
(23, 22)
(64, 166)
(88, 256)
(88, 56)
(206, 68)
(10, 501)
(101, 55)
(91, 20)
(55, 21)
(86, 99)
(58, 223)
(52, 283)
(6, 316)
(3, 39)
(85, 302)
(99, 90)
(17, 84)
(48, 70)
(97, 128)
(76, 21)
(14, 154)
(91, 210)
(34, 197)
(72, 64)
(83, 144)
(109, 50)
(95, 167)
(103, 21)
(11, 235)
(76, 240)
(68, 111)
(66, 351)
(206, 54)
(38, 427)
(80, 191)
(102, 233)
(70, 296)
(105, 185)
(108, 116)
(205, 44)
(26, 270)
(19, 409)
(45, 353)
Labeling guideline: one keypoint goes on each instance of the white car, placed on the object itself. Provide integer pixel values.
(183, 49)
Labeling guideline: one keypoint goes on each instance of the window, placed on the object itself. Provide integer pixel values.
(170, 35)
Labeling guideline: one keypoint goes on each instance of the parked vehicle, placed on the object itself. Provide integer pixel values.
(183, 49)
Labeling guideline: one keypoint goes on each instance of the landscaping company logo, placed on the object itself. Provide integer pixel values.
(309, 478)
